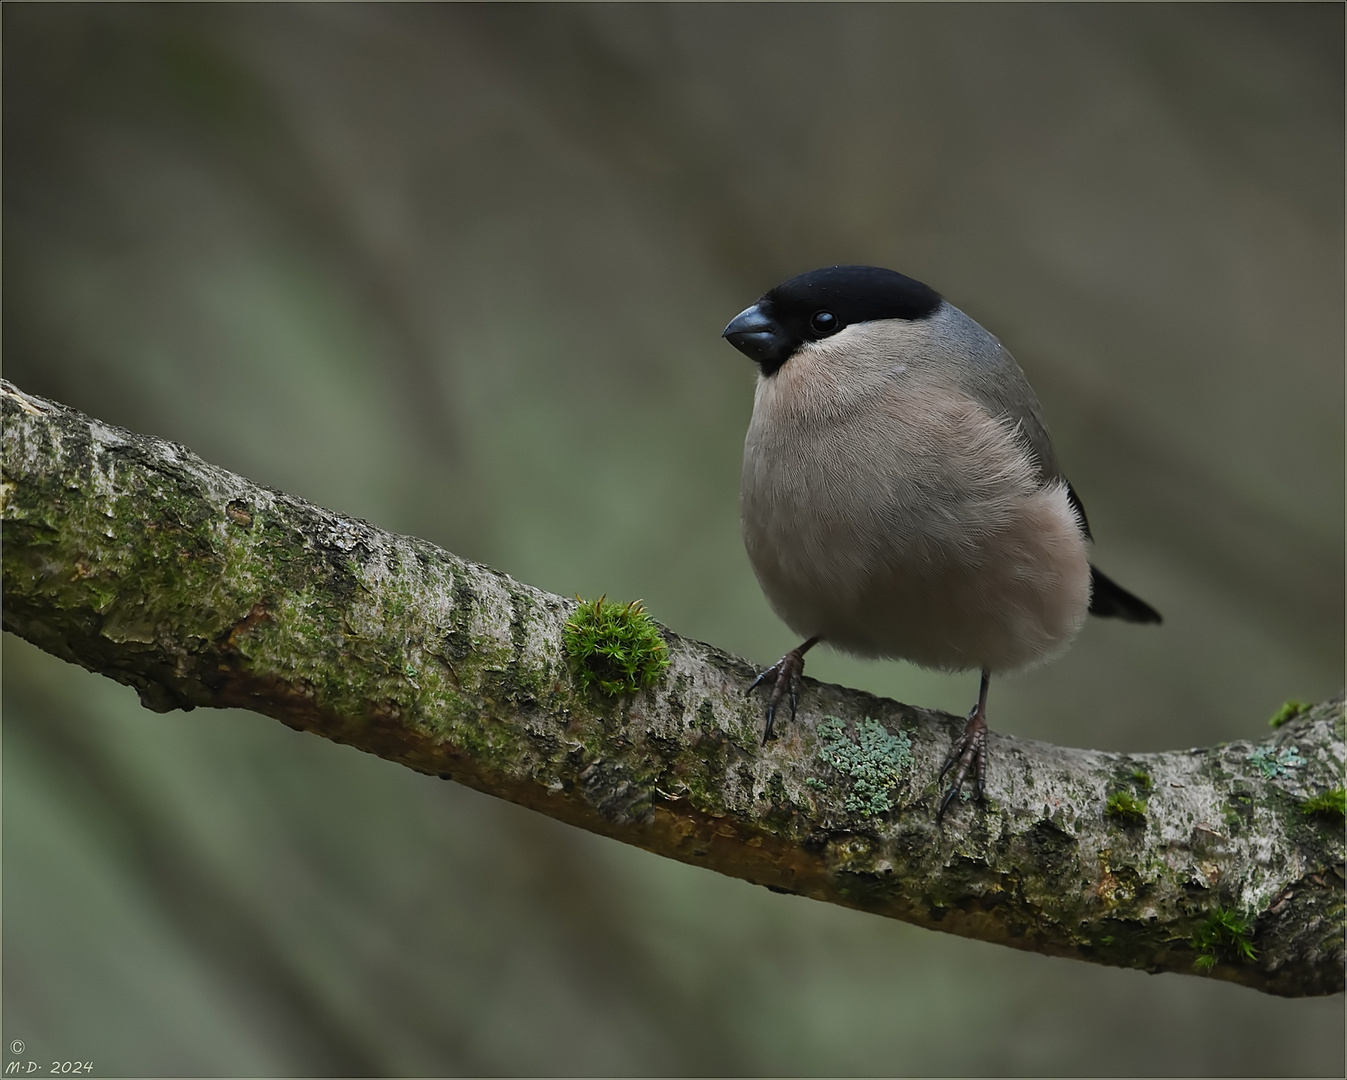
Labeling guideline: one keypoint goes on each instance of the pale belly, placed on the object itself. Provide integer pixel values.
(885, 552)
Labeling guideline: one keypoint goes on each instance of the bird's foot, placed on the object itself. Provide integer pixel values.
(969, 752)
(784, 677)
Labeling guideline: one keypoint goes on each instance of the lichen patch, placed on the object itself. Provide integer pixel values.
(874, 762)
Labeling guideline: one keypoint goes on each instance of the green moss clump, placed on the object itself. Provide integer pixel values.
(1126, 807)
(1142, 779)
(1288, 711)
(1224, 936)
(875, 761)
(1330, 804)
(614, 648)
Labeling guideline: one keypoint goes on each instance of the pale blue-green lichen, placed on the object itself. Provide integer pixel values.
(875, 761)
(1275, 763)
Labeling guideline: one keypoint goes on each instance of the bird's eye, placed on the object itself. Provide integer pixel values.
(824, 323)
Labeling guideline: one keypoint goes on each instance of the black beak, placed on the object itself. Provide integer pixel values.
(759, 337)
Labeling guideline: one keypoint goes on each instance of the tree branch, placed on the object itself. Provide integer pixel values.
(134, 558)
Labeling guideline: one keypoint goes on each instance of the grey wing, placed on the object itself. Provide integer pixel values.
(1000, 386)
(985, 370)
(1107, 597)
(997, 382)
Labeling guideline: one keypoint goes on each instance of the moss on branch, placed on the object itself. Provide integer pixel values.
(614, 648)
(132, 557)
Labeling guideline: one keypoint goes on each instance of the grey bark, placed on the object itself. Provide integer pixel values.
(134, 558)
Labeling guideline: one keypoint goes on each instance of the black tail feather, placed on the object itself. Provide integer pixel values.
(1112, 601)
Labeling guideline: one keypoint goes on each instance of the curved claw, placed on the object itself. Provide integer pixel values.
(786, 674)
(968, 752)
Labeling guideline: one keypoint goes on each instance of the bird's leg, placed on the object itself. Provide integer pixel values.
(969, 751)
(786, 674)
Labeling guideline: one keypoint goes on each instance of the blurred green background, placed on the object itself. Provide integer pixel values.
(462, 271)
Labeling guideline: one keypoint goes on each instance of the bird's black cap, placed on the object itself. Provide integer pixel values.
(855, 294)
(819, 304)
